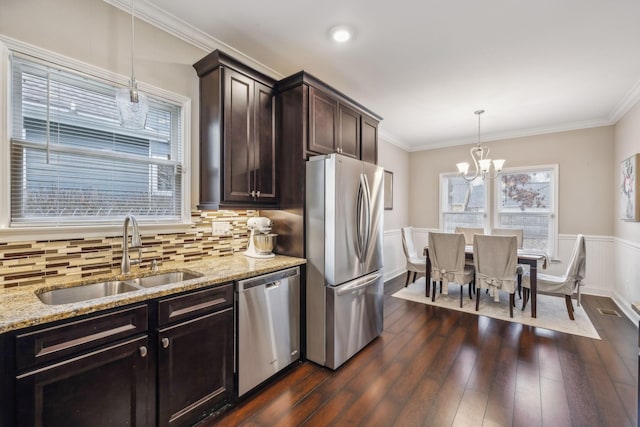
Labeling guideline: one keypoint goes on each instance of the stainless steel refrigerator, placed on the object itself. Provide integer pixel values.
(344, 224)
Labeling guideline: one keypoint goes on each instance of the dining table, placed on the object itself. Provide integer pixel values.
(529, 257)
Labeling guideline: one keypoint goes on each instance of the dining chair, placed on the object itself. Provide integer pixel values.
(468, 233)
(415, 263)
(519, 233)
(446, 253)
(495, 259)
(566, 284)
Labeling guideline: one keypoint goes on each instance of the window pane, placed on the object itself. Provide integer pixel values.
(463, 203)
(526, 192)
(72, 162)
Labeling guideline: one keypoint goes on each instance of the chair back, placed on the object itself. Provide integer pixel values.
(518, 232)
(408, 246)
(577, 267)
(468, 233)
(495, 259)
(446, 252)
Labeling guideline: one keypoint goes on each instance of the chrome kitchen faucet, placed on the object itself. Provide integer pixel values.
(136, 243)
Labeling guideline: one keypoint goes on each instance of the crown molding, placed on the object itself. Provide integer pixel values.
(626, 103)
(566, 127)
(175, 26)
(391, 139)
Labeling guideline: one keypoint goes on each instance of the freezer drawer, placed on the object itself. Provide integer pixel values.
(268, 326)
(354, 317)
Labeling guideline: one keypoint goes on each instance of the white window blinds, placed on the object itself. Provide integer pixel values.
(71, 161)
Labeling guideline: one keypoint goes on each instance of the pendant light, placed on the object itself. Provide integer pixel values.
(479, 155)
(132, 104)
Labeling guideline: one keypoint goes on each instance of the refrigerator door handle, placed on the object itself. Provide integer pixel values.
(367, 234)
(360, 215)
(359, 284)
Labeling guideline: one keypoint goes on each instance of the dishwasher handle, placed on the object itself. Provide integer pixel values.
(268, 278)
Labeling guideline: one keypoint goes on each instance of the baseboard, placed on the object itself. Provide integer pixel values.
(626, 308)
(393, 274)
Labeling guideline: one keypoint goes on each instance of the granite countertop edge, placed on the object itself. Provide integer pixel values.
(21, 307)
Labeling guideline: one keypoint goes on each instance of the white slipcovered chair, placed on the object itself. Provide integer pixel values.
(496, 260)
(519, 233)
(468, 233)
(446, 253)
(568, 283)
(415, 263)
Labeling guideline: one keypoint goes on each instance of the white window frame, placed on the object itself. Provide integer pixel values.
(442, 200)
(553, 223)
(13, 233)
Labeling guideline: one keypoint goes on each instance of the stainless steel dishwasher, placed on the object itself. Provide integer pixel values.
(268, 326)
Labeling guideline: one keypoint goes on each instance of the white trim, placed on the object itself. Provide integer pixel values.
(175, 26)
(394, 264)
(625, 307)
(626, 103)
(385, 136)
(441, 196)
(8, 45)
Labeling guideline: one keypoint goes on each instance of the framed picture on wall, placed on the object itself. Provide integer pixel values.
(388, 190)
(629, 200)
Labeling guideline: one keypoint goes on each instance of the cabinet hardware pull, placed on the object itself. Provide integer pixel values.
(165, 342)
(258, 193)
(253, 193)
(143, 351)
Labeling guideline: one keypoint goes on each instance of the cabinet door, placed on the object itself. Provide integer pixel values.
(323, 122)
(349, 136)
(106, 387)
(369, 140)
(264, 168)
(195, 368)
(238, 139)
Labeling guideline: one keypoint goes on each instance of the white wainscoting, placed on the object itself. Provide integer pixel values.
(626, 280)
(395, 263)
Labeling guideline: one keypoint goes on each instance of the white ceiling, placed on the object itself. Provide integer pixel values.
(425, 66)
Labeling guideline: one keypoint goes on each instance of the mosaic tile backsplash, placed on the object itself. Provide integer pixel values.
(36, 262)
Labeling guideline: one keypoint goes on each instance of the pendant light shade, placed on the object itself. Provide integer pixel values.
(133, 105)
(481, 161)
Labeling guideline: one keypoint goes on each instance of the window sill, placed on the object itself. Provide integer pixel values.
(46, 233)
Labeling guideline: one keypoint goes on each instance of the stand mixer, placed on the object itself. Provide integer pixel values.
(261, 241)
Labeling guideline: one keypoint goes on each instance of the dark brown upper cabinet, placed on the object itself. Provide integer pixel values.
(237, 135)
(325, 120)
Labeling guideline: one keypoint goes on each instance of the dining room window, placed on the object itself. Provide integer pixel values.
(71, 161)
(526, 198)
(462, 203)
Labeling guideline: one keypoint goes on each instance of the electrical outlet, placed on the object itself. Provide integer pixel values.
(221, 228)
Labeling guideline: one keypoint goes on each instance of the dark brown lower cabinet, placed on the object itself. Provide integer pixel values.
(106, 387)
(195, 368)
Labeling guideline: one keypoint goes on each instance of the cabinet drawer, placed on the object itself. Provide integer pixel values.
(64, 340)
(194, 304)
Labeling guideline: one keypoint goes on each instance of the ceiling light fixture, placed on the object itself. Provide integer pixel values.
(132, 104)
(341, 33)
(479, 154)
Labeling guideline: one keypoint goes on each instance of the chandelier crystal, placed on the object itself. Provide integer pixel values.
(481, 160)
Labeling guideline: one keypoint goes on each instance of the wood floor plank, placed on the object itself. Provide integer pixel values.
(437, 367)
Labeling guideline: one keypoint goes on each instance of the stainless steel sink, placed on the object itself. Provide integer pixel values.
(162, 279)
(85, 292)
(114, 287)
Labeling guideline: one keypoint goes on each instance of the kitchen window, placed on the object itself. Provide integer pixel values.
(72, 163)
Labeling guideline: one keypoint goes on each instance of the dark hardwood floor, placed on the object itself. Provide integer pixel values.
(435, 367)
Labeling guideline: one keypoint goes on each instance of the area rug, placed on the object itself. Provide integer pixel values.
(552, 311)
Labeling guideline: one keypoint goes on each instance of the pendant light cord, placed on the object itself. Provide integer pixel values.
(133, 36)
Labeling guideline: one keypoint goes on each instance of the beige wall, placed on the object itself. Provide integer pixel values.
(585, 160)
(396, 160)
(94, 32)
(627, 143)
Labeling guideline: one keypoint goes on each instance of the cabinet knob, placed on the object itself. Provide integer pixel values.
(258, 193)
(165, 342)
(143, 351)
(253, 193)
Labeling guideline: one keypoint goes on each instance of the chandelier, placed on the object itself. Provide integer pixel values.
(132, 104)
(479, 155)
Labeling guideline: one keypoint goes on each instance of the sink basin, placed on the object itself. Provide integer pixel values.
(85, 292)
(113, 287)
(162, 279)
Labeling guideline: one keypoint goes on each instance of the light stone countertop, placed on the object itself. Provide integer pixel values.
(20, 306)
